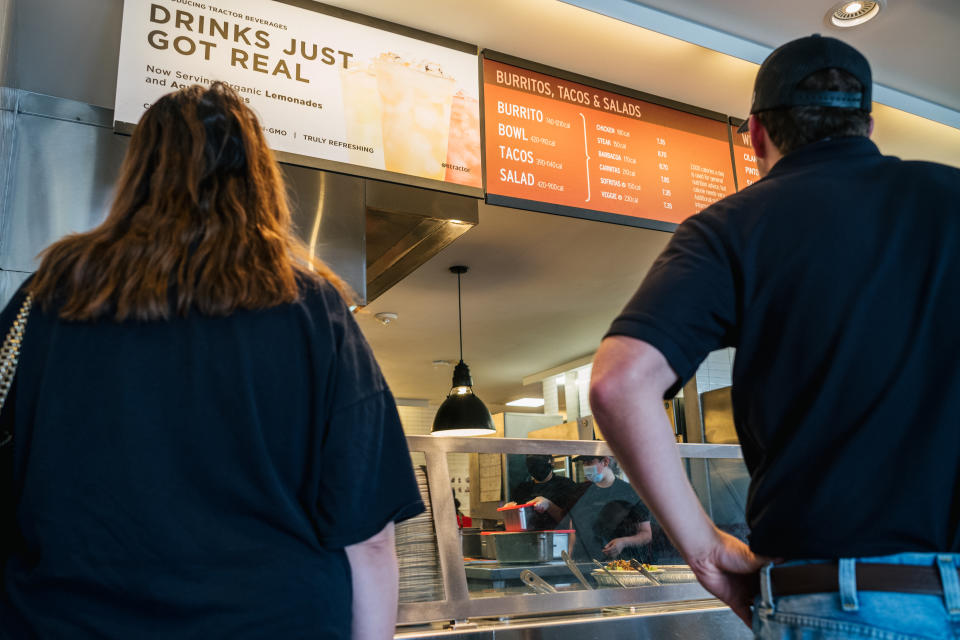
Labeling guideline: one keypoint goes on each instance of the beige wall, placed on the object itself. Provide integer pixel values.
(911, 137)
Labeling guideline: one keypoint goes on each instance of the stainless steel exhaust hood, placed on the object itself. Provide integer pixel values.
(406, 226)
(374, 233)
(60, 158)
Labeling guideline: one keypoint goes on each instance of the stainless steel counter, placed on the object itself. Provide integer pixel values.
(706, 619)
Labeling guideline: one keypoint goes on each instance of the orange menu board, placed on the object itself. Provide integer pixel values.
(744, 159)
(569, 148)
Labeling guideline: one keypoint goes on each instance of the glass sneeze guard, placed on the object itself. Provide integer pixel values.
(474, 585)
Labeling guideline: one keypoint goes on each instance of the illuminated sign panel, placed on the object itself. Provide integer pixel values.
(330, 92)
(563, 147)
(744, 159)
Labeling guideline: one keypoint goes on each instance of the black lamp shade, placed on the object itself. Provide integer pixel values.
(462, 413)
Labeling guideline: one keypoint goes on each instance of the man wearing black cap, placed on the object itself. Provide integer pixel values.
(551, 494)
(836, 277)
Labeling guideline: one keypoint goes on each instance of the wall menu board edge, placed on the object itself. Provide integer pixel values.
(583, 214)
(569, 76)
(311, 162)
(742, 155)
(562, 143)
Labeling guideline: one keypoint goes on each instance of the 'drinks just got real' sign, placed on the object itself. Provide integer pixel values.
(323, 87)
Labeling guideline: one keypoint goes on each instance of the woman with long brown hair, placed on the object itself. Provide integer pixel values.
(203, 444)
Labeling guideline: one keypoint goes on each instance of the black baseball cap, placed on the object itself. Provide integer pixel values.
(788, 65)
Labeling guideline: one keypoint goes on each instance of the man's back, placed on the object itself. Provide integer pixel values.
(848, 357)
(835, 278)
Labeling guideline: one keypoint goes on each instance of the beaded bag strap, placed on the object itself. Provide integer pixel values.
(10, 355)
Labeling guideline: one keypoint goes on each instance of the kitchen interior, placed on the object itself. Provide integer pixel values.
(538, 295)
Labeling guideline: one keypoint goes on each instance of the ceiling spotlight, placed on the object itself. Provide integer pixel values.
(850, 14)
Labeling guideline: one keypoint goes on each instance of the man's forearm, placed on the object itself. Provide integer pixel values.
(556, 512)
(373, 566)
(637, 539)
(629, 412)
(628, 381)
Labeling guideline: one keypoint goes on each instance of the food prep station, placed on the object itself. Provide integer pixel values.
(502, 582)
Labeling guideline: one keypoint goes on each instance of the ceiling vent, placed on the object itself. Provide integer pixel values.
(851, 14)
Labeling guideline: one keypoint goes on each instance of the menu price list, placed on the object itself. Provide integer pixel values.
(744, 159)
(559, 142)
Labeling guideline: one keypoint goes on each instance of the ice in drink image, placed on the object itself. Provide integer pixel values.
(362, 114)
(415, 101)
(463, 147)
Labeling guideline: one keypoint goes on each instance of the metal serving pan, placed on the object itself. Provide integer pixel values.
(518, 517)
(524, 546)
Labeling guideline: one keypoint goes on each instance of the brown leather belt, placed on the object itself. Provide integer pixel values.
(823, 578)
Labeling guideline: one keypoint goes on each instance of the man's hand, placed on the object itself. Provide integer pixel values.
(541, 504)
(615, 547)
(730, 571)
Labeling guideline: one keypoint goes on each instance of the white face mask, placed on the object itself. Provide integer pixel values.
(593, 473)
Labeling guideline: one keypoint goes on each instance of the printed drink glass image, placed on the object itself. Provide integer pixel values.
(463, 149)
(362, 114)
(416, 101)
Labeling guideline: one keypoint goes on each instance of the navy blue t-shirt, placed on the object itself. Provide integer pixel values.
(836, 278)
(198, 478)
(601, 514)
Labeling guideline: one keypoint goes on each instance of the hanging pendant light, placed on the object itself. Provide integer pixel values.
(462, 413)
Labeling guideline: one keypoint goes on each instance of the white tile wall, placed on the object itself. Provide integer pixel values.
(716, 371)
(579, 377)
(419, 421)
(551, 401)
(583, 384)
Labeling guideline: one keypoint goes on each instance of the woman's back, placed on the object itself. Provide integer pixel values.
(203, 444)
(187, 478)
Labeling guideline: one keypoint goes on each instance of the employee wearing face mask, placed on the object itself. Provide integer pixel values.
(551, 494)
(609, 518)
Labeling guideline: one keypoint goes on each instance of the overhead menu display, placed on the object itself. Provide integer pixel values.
(324, 87)
(744, 159)
(569, 148)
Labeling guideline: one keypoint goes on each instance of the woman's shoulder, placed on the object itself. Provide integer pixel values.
(13, 306)
(328, 311)
(321, 296)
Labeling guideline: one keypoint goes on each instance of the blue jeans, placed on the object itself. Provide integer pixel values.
(848, 614)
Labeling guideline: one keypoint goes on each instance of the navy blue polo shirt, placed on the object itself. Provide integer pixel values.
(198, 478)
(836, 277)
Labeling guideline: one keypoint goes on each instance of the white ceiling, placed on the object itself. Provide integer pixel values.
(912, 45)
(542, 289)
(540, 292)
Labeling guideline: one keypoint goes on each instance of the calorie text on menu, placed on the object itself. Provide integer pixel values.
(555, 141)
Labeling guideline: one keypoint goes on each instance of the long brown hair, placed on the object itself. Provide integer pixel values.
(200, 211)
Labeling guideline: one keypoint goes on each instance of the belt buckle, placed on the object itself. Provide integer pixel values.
(766, 588)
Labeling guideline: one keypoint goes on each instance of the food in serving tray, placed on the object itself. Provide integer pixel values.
(623, 565)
